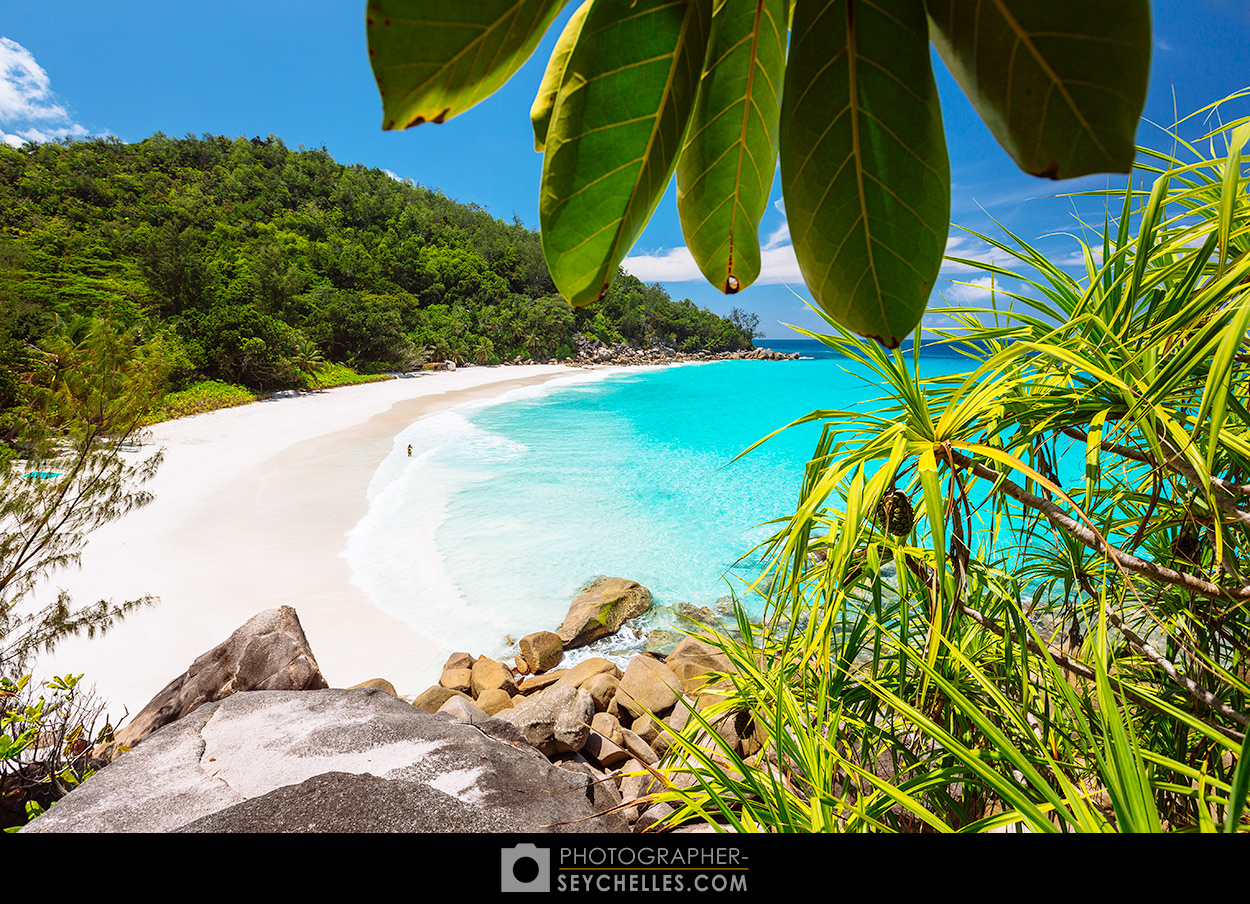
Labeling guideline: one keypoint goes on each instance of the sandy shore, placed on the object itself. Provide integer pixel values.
(252, 508)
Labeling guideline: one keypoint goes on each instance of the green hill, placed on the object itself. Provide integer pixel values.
(246, 262)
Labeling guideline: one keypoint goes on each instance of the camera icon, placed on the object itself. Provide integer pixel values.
(525, 868)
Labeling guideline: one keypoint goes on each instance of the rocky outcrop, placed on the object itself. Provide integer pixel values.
(601, 609)
(329, 761)
(592, 351)
(464, 756)
(557, 720)
(268, 653)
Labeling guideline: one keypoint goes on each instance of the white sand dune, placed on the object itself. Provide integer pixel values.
(252, 508)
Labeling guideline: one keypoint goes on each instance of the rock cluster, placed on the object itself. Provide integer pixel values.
(291, 755)
(593, 351)
(594, 717)
(609, 723)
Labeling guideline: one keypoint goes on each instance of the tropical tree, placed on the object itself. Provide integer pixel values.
(65, 474)
(717, 91)
(69, 467)
(1019, 596)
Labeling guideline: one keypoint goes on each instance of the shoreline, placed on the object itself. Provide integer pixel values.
(252, 509)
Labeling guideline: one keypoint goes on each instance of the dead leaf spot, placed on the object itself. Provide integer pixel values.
(1051, 172)
(732, 285)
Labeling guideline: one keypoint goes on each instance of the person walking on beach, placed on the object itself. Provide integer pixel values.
(410, 450)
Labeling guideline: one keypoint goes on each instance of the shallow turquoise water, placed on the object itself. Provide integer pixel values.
(521, 503)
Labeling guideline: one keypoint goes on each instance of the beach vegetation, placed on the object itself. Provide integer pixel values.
(332, 375)
(46, 735)
(1054, 636)
(840, 93)
(201, 397)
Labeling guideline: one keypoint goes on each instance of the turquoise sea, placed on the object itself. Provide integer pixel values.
(508, 508)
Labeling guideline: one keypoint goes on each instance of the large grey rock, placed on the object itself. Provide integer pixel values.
(557, 720)
(601, 609)
(330, 760)
(341, 802)
(268, 653)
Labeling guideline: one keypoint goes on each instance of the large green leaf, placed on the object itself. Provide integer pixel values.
(615, 132)
(1060, 83)
(433, 59)
(726, 169)
(545, 100)
(863, 162)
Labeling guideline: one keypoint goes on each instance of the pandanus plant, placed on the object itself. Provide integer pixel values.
(1060, 638)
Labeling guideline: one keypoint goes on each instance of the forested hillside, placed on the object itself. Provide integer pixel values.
(245, 262)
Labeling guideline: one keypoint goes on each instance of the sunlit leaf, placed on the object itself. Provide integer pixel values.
(1061, 84)
(726, 169)
(863, 162)
(615, 132)
(545, 100)
(433, 59)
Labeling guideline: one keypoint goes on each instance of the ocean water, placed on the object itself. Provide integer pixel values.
(507, 509)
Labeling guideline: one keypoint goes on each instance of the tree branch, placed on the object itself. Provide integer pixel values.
(1069, 525)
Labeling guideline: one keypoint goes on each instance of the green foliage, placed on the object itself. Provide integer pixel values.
(627, 108)
(245, 262)
(1055, 636)
(201, 397)
(637, 90)
(868, 193)
(723, 175)
(432, 66)
(44, 744)
(341, 375)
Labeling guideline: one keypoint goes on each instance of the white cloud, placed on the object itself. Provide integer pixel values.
(27, 103)
(1077, 258)
(778, 264)
(969, 248)
(673, 265)
(974, 291)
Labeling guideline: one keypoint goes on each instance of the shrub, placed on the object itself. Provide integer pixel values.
(201, 397)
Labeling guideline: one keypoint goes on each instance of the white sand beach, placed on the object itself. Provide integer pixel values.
(252, 508)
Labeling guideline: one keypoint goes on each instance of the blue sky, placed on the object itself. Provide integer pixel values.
(299, 70)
